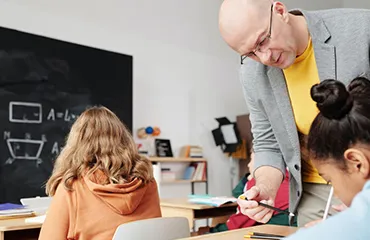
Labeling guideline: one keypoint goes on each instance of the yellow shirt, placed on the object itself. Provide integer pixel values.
(299, 78)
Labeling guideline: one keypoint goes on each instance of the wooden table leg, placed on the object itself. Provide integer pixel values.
(2, 235)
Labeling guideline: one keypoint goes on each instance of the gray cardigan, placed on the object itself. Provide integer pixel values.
(341, 40)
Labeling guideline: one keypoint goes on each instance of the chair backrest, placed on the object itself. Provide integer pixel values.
(164, 228)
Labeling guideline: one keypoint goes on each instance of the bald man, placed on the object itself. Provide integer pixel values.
(283, 54)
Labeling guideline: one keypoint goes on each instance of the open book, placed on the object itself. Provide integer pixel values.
(211, 200)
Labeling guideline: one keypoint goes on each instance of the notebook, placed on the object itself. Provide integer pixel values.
(10, 210)
(38, 204)
(211, 200)
(10, 206)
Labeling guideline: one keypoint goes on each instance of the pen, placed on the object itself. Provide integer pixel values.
(270, 207)
(262, 237)
(328, 203)
(265, 234)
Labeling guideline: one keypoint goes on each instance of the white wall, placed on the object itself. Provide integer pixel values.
(312, 4)
(184, 75)
(356, 4)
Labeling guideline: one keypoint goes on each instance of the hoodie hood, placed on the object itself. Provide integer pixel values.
(121, 198)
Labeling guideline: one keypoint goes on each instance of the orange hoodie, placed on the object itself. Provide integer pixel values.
(94, 211)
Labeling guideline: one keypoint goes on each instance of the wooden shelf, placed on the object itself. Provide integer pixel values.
(182, 181)
(176, 159)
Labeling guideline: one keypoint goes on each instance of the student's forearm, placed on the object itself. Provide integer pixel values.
(268, 179)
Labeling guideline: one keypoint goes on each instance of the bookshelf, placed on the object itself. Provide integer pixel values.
(159, 161)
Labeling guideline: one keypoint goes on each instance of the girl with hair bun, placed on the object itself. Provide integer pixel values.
(339, 146)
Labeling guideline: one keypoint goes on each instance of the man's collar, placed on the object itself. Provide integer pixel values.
(316, 25)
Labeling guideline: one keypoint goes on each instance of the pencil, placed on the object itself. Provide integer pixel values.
(328, 203)
(265, 234)
(262, 237)
(270, 207)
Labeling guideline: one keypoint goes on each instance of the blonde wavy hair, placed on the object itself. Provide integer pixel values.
(98, 140)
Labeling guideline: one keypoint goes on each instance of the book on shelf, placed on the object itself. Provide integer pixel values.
(196, 172)
(189, 171)
(211, 200)
(190, 151)
(163, 174)
(168, 176)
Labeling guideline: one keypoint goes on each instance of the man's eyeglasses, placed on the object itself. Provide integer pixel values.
(261, 43)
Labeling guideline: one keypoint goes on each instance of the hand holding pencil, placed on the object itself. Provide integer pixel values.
(250, 205)
(271, 207)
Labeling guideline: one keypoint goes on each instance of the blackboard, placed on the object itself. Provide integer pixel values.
(44, 85)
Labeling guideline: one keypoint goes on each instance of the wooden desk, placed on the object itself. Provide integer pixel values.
(19, 228)
(180, 207)
(239, 234)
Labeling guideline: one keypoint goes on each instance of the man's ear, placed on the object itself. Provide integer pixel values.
(357, 162)
(280, 9)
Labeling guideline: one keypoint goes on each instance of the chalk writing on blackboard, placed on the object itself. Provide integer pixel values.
(17, 148)
(66, 116)
(47, 83)
(25, 112)
(27, 147)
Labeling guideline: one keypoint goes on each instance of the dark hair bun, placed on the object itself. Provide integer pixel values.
(359, 85)
(332, 98)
